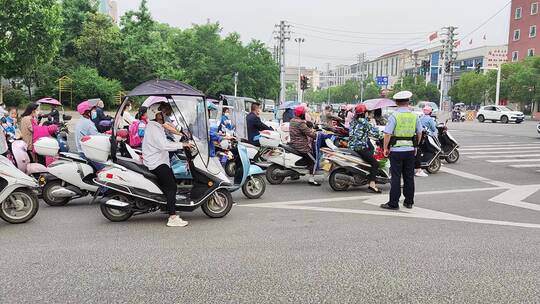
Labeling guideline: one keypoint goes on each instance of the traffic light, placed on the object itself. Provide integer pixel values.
(425, 66)
(478, 68)
(303, 82)
(447, 67)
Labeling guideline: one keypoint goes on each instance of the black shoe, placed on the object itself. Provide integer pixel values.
(408, 205)
(387, 206)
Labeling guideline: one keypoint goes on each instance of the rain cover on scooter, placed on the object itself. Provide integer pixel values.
(3, 142)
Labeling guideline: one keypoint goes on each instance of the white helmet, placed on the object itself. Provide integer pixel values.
(153, 110)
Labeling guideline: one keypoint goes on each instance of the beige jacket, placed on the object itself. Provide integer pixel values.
(27, 131)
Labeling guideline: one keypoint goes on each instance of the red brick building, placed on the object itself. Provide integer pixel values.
(523, 40)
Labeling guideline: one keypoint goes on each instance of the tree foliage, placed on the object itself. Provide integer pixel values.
(421, 91)
(91, 85)
(30, 35)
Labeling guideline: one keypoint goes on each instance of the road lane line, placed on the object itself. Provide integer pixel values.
(526, 166)
(498, 152)
(537, 160)
(516, 195)
(496, 149)
(503, 156)
(501, 146)
(476, 177)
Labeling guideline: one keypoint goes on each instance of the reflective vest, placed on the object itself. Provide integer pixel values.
(405, 129)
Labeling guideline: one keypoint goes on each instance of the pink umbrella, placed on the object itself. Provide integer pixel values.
(49, 101)
(154, 99)
(379, 103)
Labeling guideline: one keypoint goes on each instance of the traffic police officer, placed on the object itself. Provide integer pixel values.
(401, 134)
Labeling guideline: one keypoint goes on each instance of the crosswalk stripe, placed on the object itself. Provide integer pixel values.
(526, 166)
(504, 156)
(496, 152)
(501, 145)
(495, 149)
(514, 160)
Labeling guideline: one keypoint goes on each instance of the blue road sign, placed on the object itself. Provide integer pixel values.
(382, 80)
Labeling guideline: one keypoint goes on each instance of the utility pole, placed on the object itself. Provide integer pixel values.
(283, 34)
(235, 83)
(448, 57)
(328, 82)
(299, 91)
(360, 70)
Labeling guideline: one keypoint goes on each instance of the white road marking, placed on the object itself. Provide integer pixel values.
(503, 156)
(498, 152)
(526, 166)
(516, 195)
(476, 178)
(537, 160)
(496, 149)
(517, 145)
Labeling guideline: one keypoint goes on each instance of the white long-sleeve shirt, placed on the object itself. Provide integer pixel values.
(156, 147)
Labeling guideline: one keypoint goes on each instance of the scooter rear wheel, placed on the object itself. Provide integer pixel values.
(452, 157)
(115, 215)
(335, 184)
(435, 166)
(271, 176)
(230, 168)
(48, 188)
(218, 204)
(20, 206)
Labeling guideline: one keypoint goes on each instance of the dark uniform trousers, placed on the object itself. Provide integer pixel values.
(402, 164)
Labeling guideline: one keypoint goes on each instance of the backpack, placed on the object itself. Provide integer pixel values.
(135, 140)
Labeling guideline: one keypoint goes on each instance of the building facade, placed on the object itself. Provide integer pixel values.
(110, 8)
(391, 65)
(486, 57)
(523, 40)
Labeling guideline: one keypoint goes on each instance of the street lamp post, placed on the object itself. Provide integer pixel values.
(235, 83)
(498, 86)
(299, 91)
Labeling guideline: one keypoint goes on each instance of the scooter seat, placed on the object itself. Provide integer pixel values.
(290, 149)
(141, 169)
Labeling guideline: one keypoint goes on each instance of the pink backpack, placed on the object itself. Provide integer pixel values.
(134, 139)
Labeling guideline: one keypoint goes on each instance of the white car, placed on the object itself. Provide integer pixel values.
(499, 113)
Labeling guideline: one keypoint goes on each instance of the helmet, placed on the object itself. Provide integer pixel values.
(153, 110)
(360, 108)
(427, 110)
(53, 129)
(84, 107)
(211, 106)
(299, 110)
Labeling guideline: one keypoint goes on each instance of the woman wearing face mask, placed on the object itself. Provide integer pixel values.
(102, 122)
(28, 121)
(86, 127)
(127, 118)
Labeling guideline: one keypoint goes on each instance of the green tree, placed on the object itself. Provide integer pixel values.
(421, 91)
(99, 45)
(470, 89)
(88, 84)
(74, 15)
(31, 32)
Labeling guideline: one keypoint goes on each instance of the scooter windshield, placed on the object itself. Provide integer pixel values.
(191, 116)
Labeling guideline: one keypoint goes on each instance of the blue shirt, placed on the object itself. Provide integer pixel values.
(85, 127)
(428, 123)
(389, 129)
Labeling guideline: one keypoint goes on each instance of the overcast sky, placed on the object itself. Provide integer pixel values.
(336, 31)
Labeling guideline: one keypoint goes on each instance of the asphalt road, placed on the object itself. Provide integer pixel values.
(473, 237)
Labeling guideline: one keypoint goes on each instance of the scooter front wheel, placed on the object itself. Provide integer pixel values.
(272, 177)
(218, 204)
(254, 187)
(19, 207)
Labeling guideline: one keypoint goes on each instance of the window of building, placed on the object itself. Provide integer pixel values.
(515, 56)
(534, 8)
(530, 52)
(517, 34)
(518, 13)
(532, 31)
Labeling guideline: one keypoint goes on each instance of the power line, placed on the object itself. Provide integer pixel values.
(349, 41)
(356, 32)
(351, 36)
(488, 20)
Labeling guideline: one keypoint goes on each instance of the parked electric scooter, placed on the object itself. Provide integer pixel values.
(18, 194)
(449, 144)
(133, 191)
(430, 153)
